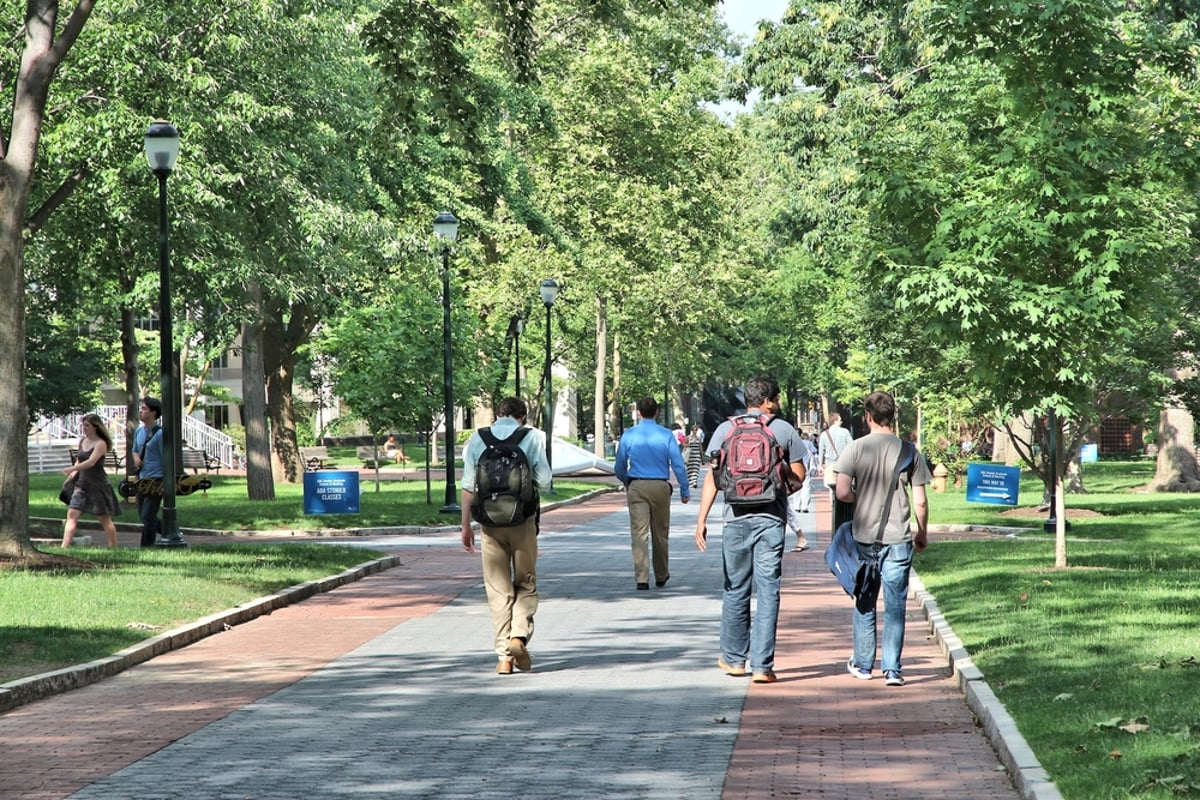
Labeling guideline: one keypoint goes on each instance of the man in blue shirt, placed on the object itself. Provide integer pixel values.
(147, 460)
(646, 456)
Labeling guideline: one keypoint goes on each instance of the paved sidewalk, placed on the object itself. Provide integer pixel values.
(385, 688)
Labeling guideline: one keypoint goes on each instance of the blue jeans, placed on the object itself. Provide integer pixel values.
(752, 555)
(895, 562)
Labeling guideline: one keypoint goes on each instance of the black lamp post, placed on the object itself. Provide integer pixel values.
(516, 326)
(445, 225)
(162, 150)
(518, 329)
(549, 291)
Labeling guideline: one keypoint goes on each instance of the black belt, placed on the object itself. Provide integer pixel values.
(631, 480)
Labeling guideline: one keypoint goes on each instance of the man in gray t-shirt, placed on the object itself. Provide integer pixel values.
(864, 473)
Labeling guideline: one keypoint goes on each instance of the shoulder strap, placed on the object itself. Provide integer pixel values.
(832, 444)
(514, 438)
(902, 461)
(150, 433)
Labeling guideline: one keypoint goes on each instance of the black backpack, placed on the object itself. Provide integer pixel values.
(505, 494)
(751, 463)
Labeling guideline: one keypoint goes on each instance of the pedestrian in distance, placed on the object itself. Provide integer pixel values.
(753, 530)
(509, 544)
(832, 442)
(90, 490)
(800, 499)
(646, 456)
(864, 475)
(148, 468)
(695, 456)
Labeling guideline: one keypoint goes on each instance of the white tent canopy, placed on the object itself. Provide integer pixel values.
(568, 459)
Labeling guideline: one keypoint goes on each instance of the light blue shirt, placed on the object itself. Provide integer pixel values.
(650, 452)
(534, 446)
(152, 465)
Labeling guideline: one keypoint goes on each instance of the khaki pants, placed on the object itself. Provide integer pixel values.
(650, 516)
(510, 578)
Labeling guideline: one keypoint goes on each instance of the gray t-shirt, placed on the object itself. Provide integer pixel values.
(793, 451)
(870, 461)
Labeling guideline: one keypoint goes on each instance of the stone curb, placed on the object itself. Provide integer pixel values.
(1028, 775)
(35, 687)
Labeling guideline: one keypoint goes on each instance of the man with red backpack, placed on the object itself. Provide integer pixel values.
(750, 454)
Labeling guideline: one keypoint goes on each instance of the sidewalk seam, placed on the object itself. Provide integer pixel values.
(1027, 773)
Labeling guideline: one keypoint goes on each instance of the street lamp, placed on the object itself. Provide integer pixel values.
(549, 291)
(162, 150)
(445, 225)
(515, 328)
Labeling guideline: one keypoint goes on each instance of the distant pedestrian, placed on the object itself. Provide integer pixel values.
(800, 499)
(832, 442)
(509, 553)
(752, 541)
(646, 456)
(90, 490)
(864, 474)
(695, 456)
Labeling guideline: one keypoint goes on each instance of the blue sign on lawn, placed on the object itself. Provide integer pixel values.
(987, 483)
(330, 491)
(1089, 453)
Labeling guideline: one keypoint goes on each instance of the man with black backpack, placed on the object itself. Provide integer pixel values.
(504, 468)
(750, 454)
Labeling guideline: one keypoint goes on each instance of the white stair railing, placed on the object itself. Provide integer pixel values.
(196, 434)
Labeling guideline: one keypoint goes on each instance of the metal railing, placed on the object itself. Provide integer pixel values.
(196, 434)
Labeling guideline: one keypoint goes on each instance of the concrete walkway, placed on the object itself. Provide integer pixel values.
(386, 688)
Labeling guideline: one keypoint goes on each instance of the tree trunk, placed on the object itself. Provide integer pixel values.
(286, 328)
(39, 61)
(601, 372)
(14, 414)
(129, 366)
(616, 410)
(260, 481)
(1176, 469)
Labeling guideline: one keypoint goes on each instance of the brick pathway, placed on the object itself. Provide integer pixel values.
(416, 636)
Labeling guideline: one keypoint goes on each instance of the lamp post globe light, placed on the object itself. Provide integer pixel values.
(445, 225)
(549, 290)
(162, 151)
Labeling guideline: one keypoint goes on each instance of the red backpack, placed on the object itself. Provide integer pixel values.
(751, 463)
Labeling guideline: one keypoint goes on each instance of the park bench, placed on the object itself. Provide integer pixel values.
(314, 458)
(197, 460)
(366, 454)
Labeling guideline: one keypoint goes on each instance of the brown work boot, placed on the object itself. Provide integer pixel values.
(504, 666)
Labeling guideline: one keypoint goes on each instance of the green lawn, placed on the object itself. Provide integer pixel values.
(51, 620)
(1098, 663)
(226, 508)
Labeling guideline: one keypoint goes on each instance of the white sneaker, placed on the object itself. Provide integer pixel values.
(852, 668)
